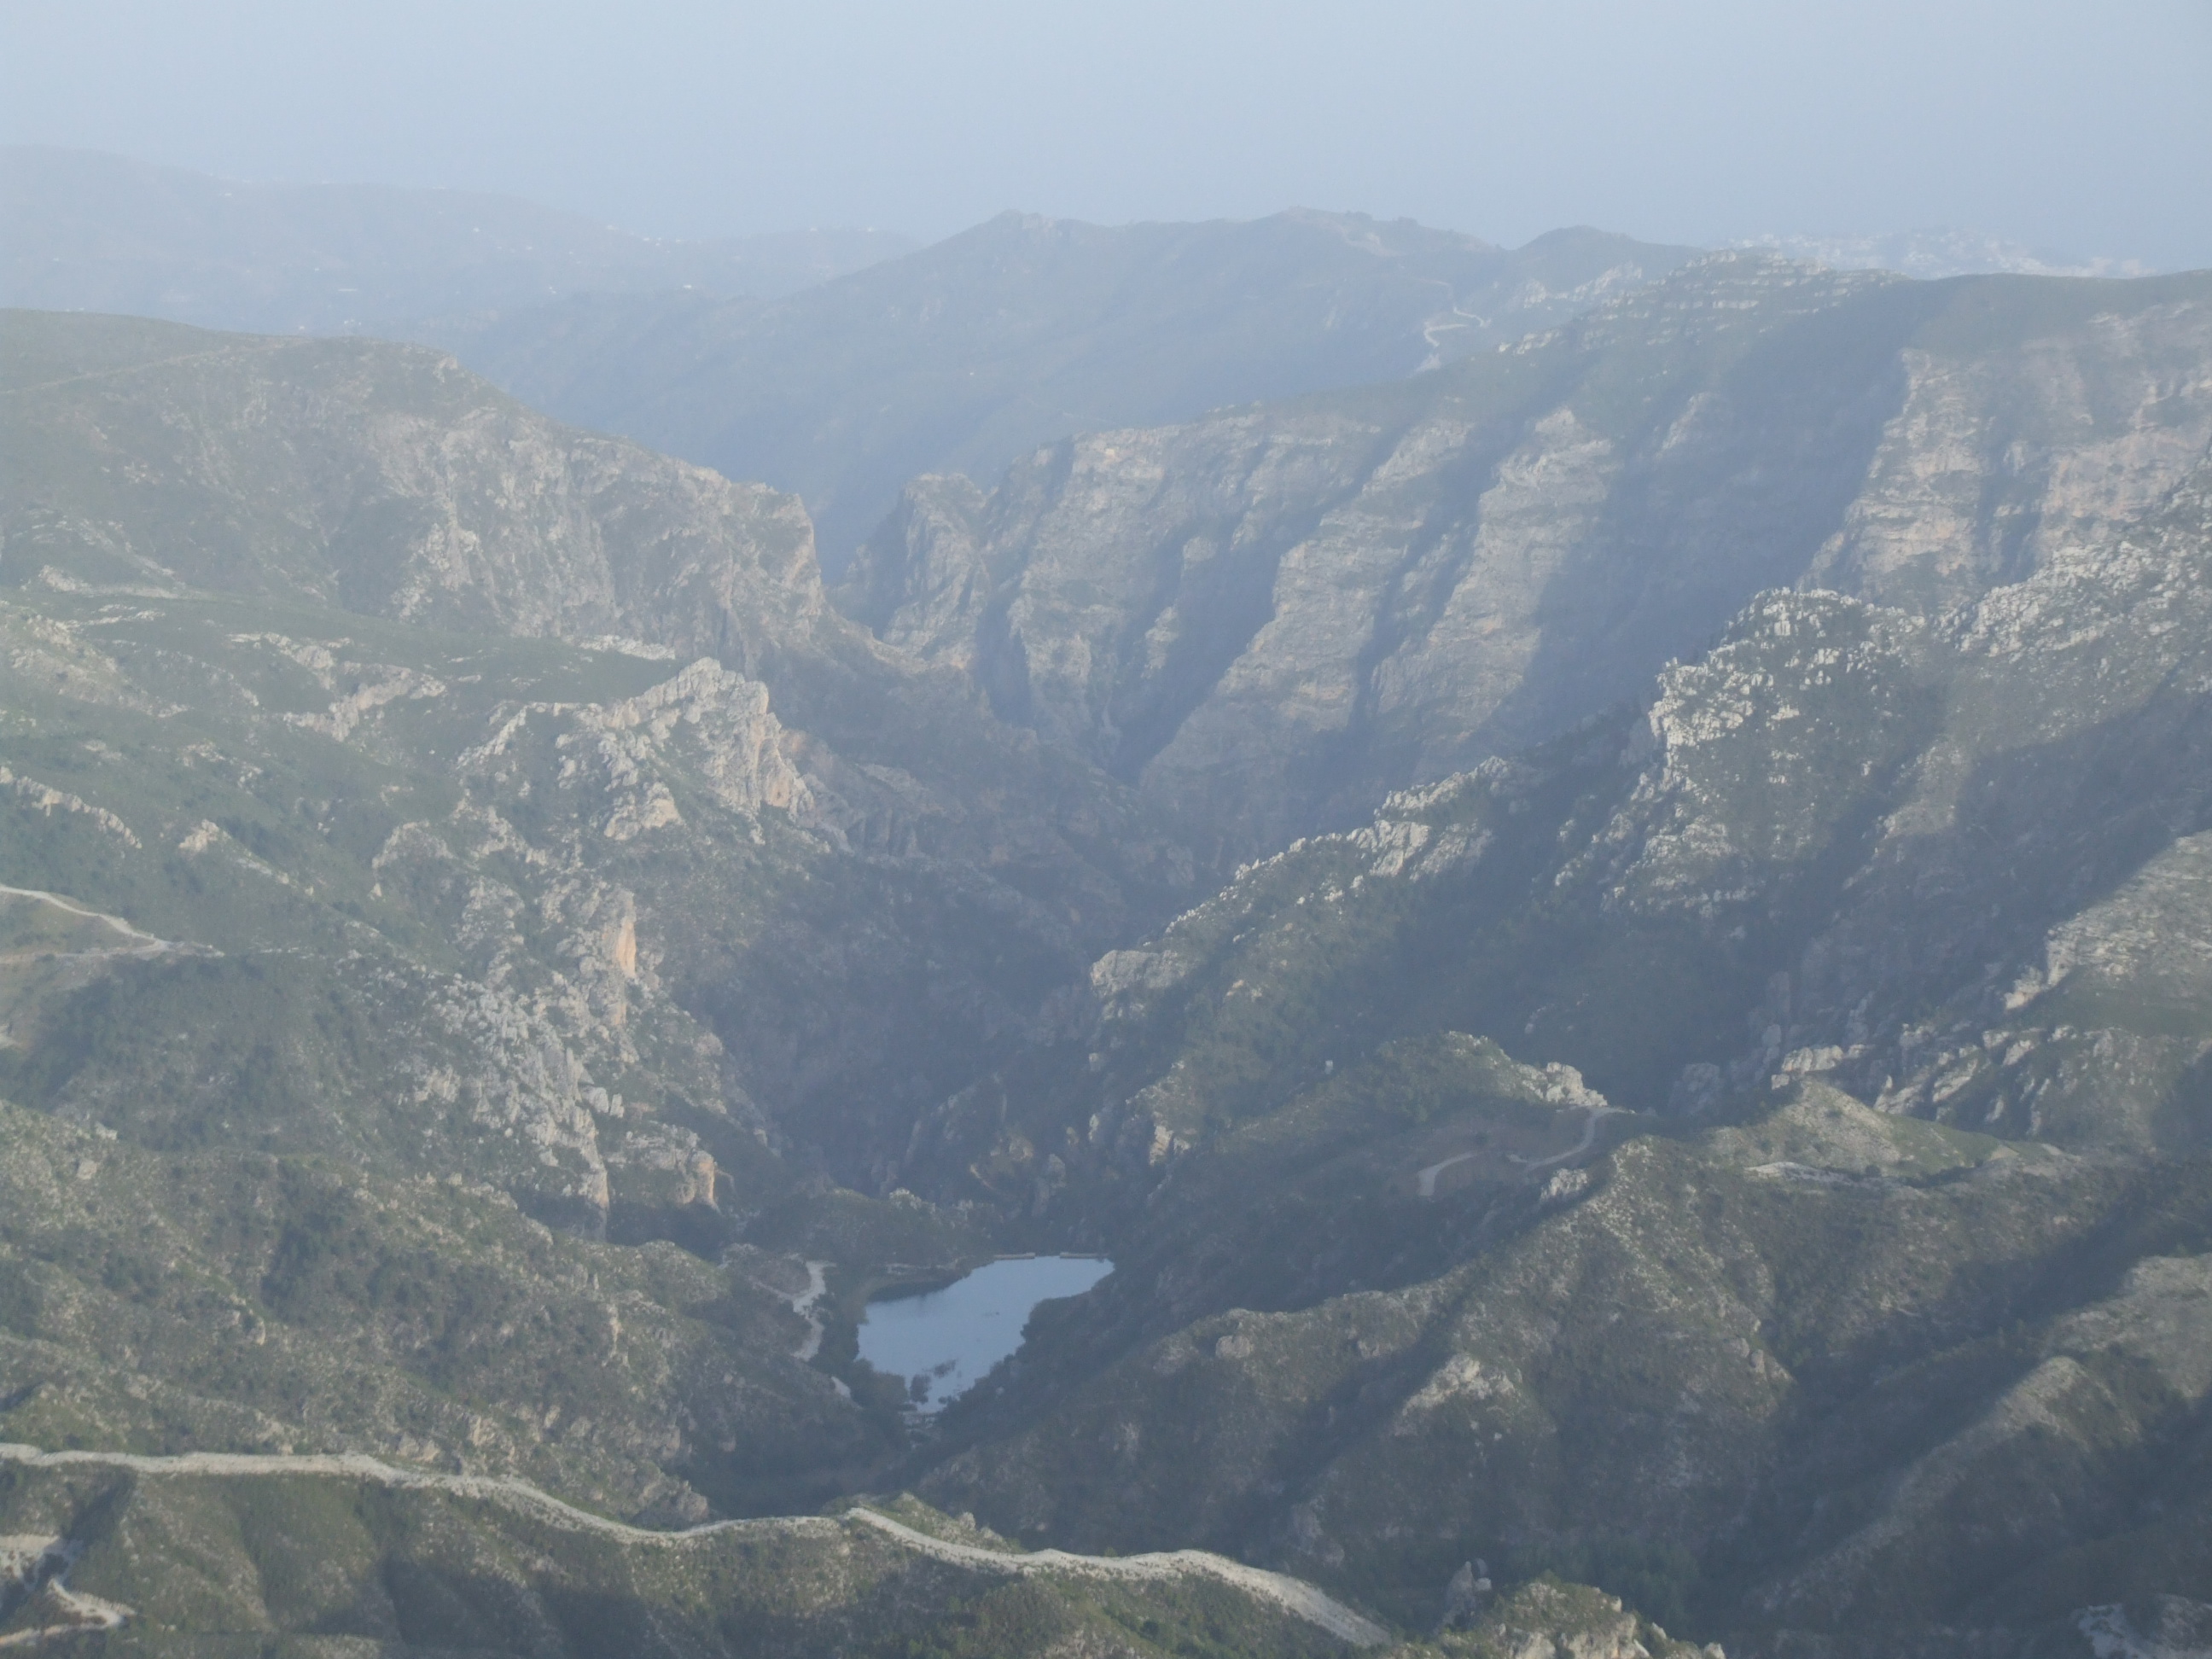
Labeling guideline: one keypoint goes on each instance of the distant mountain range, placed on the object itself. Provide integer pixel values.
(835, 364)
(970, 353)
(838, 364)
(1937, 252)
(89, 232)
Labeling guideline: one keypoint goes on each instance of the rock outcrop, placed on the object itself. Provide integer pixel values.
(1878, 1318)
(1025, 330)
(1271, 617)
(352, 484)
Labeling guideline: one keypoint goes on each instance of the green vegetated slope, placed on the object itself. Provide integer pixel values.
(461, 884)
(148, 467)
(1273, 617)
(425, 1039)
(1024, 330)
(90, 231)
(337, 1556)
(418, 970)
(1505, 1179)
(324, 1018)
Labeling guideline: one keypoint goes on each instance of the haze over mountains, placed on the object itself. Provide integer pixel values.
(1610, 932)
(87, 232)
(1024, 330)
(1936, 253)
(1270, 618)
(960, 357)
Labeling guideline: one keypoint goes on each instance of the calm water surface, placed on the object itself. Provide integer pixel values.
(950, 1338)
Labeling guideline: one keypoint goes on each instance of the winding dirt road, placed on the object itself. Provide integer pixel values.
(1426, 1181)
(1292, 1596)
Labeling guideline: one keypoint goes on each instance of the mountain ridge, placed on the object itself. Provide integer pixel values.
(1024, 328)
(95, 231)
(1270, 617)
(1376, 1241)
(495, 970)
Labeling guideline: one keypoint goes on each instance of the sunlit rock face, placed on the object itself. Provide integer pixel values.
(1272, 617)
(495, 970)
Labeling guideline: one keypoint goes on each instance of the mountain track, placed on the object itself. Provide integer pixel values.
(1291, 1595)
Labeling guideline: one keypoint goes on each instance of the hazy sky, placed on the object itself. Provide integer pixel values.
(2081, 128)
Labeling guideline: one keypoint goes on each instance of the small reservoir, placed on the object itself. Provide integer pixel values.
(944, 1340)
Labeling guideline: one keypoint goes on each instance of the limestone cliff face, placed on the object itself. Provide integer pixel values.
(388, 480)
(1273, 617)
(348, 486)
(1024, 331)
(2003, 453)
(1905, 921)
(2025, 949)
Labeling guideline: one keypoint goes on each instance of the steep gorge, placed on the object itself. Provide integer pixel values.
(1267, 619)
(1731, 1129)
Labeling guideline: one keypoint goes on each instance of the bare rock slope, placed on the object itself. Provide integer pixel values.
(1270, 617)
(1749, 1151)
(153, 464)
(1024, 330)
